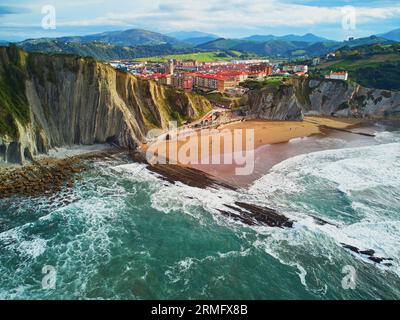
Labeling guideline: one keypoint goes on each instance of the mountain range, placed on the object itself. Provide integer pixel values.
(193, 37)
(287, 48)
(135, 43)
(309, 38)
(392, 35)
(131, 37)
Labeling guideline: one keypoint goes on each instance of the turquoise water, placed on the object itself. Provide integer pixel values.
(125, 234)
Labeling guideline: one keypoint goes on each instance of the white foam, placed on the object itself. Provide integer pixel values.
(28, 246)
(350, 169)
(387, 137)
(353, 171)
(34, 248)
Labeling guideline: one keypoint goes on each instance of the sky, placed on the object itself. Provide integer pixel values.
(337, 20)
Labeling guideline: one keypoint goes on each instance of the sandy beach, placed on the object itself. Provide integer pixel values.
(239, 136)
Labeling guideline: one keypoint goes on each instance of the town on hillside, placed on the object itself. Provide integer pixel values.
(221, 76)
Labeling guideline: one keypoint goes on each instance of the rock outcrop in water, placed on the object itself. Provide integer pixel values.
(51, 101)
(296, 97)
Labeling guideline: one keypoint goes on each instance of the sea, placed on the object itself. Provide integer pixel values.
(123, 233)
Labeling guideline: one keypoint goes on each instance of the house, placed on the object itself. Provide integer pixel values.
(162, 78)
(300, 68)
(261, 70)
(330, 55)
(237, 91)
(338, 76)
(301, 74)
(183, 81)
(287, 68)
(170, 67)
(214, 82)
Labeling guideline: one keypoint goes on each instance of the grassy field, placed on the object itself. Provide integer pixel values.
(200, 56)
(298, 52)
(259, 84)
(348, 64)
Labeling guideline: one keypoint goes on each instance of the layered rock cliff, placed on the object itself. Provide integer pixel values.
(296, 97)
(61, 100)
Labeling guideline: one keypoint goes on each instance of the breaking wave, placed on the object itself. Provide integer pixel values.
(128, 234)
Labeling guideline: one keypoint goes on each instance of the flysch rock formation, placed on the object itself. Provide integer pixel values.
(49, 101)
(297, 97)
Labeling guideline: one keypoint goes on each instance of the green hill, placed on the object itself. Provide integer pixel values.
(101, 51)
(269, 48)
(131, 37)
(309, 37)
(288, 46)
(374, 66)
(393, 35)
(220, 44)
(199, 56)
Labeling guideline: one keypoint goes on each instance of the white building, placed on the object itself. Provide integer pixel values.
(338, 76)
(295, 69)
(300, 68)
(330, 55)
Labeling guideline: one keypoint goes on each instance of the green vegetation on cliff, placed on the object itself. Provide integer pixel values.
(13, 101)
(259, 84)
(97, 89)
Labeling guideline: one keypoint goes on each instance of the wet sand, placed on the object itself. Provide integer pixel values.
(220, 152)
(269, 141)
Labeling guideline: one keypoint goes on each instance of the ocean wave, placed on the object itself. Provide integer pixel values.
(350, 169)
(357, 189)
(350, 172)
(387, 137)
(364, 182)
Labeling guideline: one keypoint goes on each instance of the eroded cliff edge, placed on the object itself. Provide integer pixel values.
(51, 101)
(296, 97)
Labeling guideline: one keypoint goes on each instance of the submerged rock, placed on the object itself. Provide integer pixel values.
(369, 254)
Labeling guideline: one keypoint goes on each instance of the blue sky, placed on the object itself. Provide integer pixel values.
(21, 19)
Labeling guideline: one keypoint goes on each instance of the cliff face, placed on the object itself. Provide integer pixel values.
(274, 102)
(52, 101)
(297, 97)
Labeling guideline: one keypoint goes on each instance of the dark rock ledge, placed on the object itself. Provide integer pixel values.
(369, 254)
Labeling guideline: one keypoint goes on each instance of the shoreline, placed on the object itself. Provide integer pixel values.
(255, 133)
(274, 142)
(60, 168)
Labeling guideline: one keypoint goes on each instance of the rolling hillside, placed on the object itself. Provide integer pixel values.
(393, 35)
(102, 51)
(267, 48)
(131, 37)
(374, 66)
(199, 56)
(193, 38)
(309, 38)
(137, 43)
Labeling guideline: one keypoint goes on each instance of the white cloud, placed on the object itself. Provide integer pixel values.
(225, 17)
(214, 14)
